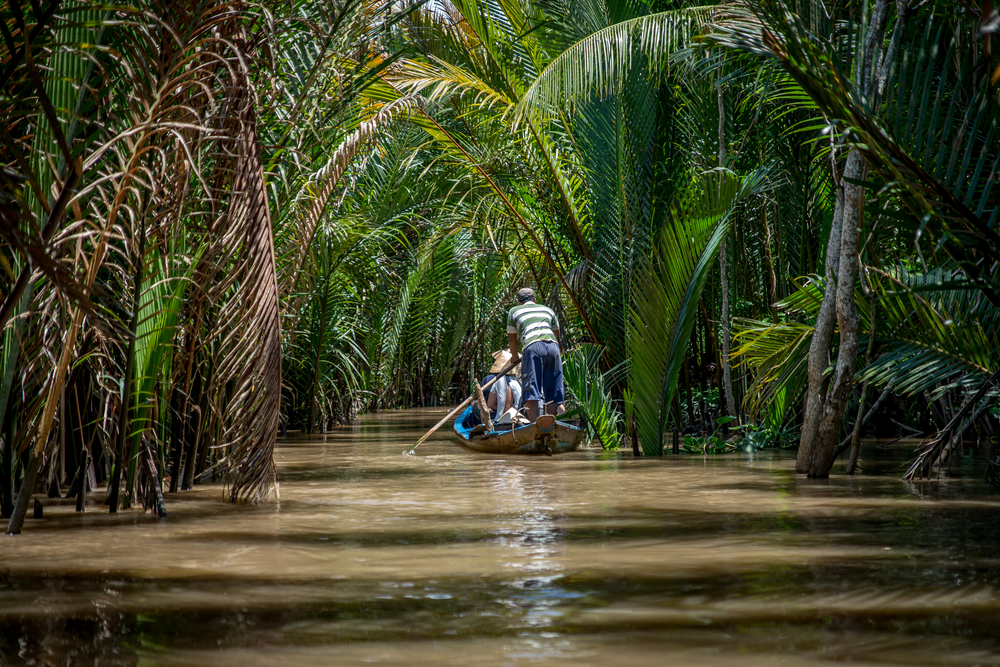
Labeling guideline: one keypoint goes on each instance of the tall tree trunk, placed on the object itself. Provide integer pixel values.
(689, 403)
(819, 346)
(832, 419)
(700, 376)
(202, 418)
(154, 479)
(824, 410)
(12, 352)
(7, 468)
(773, 280)
(727, 374)
(177, 425)
(634, 437)
(677, 428)
(62, 437)
(83, 456)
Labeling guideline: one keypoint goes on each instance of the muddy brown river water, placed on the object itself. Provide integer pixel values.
(454, 558)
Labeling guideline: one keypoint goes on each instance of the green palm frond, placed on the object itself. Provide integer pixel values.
(777, 352)
(805, 300)
(931, 136)
(161, 303)
(297, 233)
(589, 392)
(665, 298)
(930, 344)
(597, 65)
(439, 80)
(778, 355)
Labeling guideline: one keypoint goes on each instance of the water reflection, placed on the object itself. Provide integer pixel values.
(532, 538)
(452, 558)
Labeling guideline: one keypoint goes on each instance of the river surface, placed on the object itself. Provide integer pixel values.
(454, 558)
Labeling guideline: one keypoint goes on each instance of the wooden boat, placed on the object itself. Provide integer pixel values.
(546, 436)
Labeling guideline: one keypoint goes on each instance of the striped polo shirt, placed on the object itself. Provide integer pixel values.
(532, 322)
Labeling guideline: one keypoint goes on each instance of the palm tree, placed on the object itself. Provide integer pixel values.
(862, 99)
(152, 265)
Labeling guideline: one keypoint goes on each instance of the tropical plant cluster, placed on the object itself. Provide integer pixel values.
(221, 221)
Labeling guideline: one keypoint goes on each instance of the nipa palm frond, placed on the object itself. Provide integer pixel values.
(932, 138)
(927, 347)
(665, 298)
(597, 65)
(249, 328)
(778, 354)
(299, 239)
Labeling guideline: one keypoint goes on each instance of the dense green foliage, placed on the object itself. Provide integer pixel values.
(222, 220)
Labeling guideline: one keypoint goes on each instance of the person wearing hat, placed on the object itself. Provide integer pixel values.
(505, 392)
(541, 360)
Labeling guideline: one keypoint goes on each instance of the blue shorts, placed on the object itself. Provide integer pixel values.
(541, 372)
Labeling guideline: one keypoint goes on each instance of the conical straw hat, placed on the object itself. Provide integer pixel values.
(500, 360)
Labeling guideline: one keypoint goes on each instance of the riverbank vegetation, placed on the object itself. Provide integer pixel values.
(222, 220)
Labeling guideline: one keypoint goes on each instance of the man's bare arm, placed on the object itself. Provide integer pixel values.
(512, 341)
(556, 332)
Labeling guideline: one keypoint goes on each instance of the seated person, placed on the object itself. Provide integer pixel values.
(505, 392)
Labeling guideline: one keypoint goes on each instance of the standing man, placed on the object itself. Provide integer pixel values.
(541, 365)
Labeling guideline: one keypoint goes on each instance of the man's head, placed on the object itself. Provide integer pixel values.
(525, 294)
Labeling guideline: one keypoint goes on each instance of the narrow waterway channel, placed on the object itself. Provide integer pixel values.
(454, 558)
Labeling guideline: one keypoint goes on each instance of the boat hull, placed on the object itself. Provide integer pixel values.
(533, 439)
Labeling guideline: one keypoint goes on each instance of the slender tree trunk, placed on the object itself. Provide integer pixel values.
(68, 415)
(62, 436)
(97, 444)
(700, 371)
(847, 320)
(24, 495)
(819, 346)
(770, 266)
(824, 414)
(823, 408)
(727, 374)
(53, 474)
(689, 403)
(12, 354)
(177, 425)
(192, 421)
(201, 441)
(157, 485)
(677, 428)
(852, 463)
(634, 437)
(125, 414)
(7, 468)
(83, 456)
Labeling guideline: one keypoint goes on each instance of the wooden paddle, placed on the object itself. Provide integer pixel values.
(464, 404)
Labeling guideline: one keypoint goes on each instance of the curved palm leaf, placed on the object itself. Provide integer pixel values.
(597, 65)
(932, 139)
(665, 300)
(935, 341)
